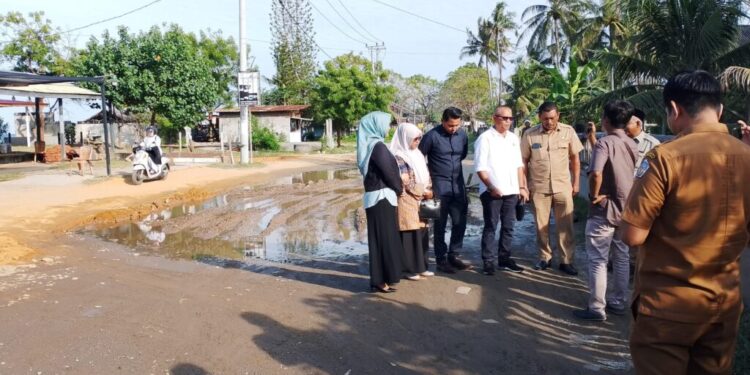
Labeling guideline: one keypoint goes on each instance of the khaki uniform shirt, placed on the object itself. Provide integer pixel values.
(693, 195)
(548, 156)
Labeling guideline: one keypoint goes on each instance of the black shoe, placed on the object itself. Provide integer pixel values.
(616, 310)
(569, 269)
(377, 289)
(457, 263)
(488, 269)
(589, 315)
(542, 265)
(445, 267)
(509, 265)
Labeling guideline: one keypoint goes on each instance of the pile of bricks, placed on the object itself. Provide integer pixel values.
(52, 153)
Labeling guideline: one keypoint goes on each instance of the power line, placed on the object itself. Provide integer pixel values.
(299, 28)
(336, 26)
(357, 21)
(417, 53)
(347, 22)
(421, 17)
(111, 18)
(98, 22)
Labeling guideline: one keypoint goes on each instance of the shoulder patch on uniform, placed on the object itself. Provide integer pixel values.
(642, 169)
(650, 155)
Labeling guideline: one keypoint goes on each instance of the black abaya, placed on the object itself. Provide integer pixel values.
(384, 244)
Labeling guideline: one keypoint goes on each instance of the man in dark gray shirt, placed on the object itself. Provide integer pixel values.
(446, 147)
(610, 180)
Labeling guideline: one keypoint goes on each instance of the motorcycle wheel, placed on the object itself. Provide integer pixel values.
(165, 172)
(138, 176)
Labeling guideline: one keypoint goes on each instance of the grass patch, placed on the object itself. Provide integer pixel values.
(347, 147)
(742, 354)
(10, 176)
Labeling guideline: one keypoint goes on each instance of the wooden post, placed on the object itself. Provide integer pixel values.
(39, 144)
(61, 130)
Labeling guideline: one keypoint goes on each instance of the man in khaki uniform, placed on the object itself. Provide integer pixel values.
(550, 155)
(689, 210)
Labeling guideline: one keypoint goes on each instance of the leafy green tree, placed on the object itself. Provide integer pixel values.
(161, 73)
(293, 48)
(223, 57)
(346, 90)
(530, 87)
(426, 91)
(570, 91)
(32, 44)
(466, 88)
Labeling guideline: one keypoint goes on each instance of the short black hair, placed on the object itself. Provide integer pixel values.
(451, 113)
(619, 113)
(693, 90)
(547, 106)
(640, 114)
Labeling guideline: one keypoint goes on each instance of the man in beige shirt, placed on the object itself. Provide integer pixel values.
(550, 156)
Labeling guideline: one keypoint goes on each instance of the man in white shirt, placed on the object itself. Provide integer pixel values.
(499, 166)
(646, 142)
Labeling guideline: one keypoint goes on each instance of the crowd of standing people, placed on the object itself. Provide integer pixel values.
(678, 213)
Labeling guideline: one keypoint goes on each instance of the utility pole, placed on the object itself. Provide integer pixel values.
(375, 54)
(245, 156)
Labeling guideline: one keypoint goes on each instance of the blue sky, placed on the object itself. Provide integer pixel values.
(414, 46)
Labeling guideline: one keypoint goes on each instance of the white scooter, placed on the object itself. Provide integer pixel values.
(144, 169)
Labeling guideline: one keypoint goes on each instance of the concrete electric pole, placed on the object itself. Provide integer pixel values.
(245, 155)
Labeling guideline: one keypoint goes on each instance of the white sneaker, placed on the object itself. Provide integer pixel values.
(414, 277)
(427, 273)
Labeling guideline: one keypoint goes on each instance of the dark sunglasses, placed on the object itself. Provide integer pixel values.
(506, 118)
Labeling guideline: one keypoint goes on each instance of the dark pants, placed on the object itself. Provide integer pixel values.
(503, 211)
(457, 208)
(660, 346)
(155, 155)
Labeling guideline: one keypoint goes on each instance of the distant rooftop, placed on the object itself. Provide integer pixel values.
(268, 108)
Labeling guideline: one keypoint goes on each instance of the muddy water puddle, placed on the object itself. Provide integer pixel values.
(296, 219)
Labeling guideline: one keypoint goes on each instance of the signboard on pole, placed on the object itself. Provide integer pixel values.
(249, 88)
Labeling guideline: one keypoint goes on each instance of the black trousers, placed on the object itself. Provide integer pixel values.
(457, 208)
(384, 243)
(498, 211)
(155, 155)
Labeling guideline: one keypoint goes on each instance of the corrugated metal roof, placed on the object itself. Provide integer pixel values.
(268, 108)
(51, 90)
(25, 79)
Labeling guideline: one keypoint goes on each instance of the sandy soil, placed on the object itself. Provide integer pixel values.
(81, 305)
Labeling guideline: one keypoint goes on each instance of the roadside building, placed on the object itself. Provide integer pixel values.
(287, 121)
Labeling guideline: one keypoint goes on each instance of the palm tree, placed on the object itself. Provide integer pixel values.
(670, 36)
(737, 79)
(481, 44)
(551, 26)
(604, 27)
(501, 22)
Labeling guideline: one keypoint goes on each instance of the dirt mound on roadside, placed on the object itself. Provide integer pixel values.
(13, 252)
(138, 211)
